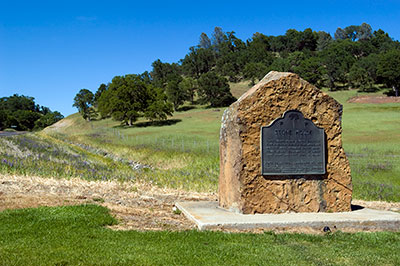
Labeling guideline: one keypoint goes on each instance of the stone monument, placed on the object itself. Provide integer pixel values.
(281, 150)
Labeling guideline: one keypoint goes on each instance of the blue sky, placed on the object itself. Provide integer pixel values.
(51, 49)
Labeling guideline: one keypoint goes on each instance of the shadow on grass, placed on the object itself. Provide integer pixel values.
(390, 92)
(340, 87)
(368, 89)
(162, 123)
(185, 108)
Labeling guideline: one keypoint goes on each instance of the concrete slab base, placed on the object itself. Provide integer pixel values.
(207, 215)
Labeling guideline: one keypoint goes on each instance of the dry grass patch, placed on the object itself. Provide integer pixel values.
(140, 206)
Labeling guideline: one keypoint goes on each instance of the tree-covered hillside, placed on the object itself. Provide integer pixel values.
(354, 57)
(22, 113)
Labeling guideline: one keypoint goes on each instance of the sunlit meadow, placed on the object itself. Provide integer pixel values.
(183, 151)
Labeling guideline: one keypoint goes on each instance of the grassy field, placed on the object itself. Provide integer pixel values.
(183, 151)
(371, 139)
(75, 235)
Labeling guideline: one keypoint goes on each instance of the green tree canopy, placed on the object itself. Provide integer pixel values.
(259, 50)
(354, 32)
(359, 78)
(198, 61)
(255, 71)
(231, 57)
(21, 112)
(389, 69)
(349, 59)
(176, 94)
(84, 101)
(161, 73)
(204, 41)
(48, 119)
(382, 41)
(215, 90)
(129, 97)
(218, 38)
(189, 86)
(311, 69)
(324, 39)
(337, 60)
(102, 88)
(158, 107)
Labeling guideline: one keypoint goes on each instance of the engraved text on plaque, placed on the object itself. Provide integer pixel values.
(292, 145)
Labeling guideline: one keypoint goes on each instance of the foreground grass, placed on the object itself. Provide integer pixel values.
(75, 235)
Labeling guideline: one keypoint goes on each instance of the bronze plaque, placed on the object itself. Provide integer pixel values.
(292, 145)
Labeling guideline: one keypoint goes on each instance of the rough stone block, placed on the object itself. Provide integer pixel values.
(242, 187)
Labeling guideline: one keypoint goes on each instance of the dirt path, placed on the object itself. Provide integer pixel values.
(374, 99)
(136, 205)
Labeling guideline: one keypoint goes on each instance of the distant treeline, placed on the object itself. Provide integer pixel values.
(355, 57)
(22, 113)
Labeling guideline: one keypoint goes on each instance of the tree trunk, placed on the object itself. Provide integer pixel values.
(192, 97)
(396, 91)
(331, 84)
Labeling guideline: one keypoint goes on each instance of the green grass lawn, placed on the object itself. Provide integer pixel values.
(75, 235)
